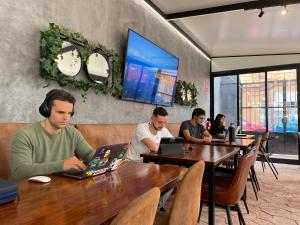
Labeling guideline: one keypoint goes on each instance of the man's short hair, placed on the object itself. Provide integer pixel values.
(59, 94)
(198, 112)
(159, 111)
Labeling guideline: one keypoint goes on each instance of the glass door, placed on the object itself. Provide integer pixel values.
(225, 98)
(283, 113)
(252, 102)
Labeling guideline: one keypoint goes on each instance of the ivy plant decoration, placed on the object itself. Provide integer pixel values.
(186, 94)
(51, 44)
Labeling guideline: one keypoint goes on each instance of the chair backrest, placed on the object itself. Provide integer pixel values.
(264, 142)
(140, 211)
(236, 190)
(186, 205)
(256, 150)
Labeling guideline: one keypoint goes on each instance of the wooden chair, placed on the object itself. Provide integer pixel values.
(140, 211)
(229, 191)
(252, 173)
(186, 205)
(265, 156)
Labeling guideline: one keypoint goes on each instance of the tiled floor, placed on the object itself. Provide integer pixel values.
(279, 200)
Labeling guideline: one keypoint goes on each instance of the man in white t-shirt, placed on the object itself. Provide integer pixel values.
(147, 139)
(148, 135)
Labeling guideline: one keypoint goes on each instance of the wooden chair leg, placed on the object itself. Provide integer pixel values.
(245, 203)
(228, 215)
(254, 188)
(269, 164)
(241, 218)
(273, 165)
(255, 177)
(262, 164)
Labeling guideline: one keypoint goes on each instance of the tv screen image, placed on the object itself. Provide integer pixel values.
(150, 72)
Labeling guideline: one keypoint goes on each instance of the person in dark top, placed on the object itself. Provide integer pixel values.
(193, 130)
(218, 126)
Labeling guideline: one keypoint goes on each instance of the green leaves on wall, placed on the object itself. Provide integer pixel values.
(51, 44)
(186, 94)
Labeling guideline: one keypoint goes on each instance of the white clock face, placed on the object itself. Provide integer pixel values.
(69, 59)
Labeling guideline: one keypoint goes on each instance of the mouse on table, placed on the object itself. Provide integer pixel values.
(41, 179)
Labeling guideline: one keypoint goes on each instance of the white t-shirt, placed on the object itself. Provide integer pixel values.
(142, 132)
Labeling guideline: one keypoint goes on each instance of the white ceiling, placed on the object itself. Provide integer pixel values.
(238, 32)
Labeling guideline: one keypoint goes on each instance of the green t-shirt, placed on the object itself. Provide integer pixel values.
(36, 152)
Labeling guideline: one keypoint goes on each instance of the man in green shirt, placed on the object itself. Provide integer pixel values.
(51, 145)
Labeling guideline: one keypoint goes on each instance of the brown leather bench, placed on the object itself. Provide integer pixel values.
(106, 134)
(95, 134)
(7, 131)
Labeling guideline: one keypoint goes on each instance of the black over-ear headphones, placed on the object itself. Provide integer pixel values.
(45, 107)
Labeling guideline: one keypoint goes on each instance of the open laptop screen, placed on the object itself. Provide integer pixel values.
(170, 146)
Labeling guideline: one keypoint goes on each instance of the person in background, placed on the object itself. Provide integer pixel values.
(218, 126)
(148, 135)
(194, 130)
(208, 124)
(50, 145)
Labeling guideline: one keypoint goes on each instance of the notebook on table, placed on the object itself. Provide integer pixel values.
(8, 191)
(170, 146)
(105, 159)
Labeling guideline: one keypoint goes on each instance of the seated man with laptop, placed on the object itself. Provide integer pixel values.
(51, 145)
(193, 130)
(147, 139)
(148, 135)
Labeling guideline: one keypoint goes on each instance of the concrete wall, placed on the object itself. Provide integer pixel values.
(104, 21)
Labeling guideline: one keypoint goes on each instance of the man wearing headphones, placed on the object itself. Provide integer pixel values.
(51, 145)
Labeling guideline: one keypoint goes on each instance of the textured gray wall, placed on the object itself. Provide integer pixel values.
(104, 21)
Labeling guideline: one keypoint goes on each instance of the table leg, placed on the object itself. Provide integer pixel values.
(211, 199)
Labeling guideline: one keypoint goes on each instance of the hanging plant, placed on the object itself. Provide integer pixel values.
(51, 45)
(186, 94)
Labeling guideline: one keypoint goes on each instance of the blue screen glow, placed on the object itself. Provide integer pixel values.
(150, 72)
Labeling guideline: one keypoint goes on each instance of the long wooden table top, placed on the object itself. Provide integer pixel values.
(241, 143)
(245, 136)
(94, 200)
(211, 154)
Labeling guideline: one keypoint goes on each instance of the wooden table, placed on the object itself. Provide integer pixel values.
(212, 155)
(243, 144)
(247, 136)
(91, 201)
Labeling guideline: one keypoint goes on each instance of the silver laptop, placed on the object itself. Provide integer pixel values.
(220, 140)
(237, 130)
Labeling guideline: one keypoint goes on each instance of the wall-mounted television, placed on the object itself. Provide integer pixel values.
(150, 72)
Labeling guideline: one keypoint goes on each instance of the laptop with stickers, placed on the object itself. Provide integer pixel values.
(105, 159)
